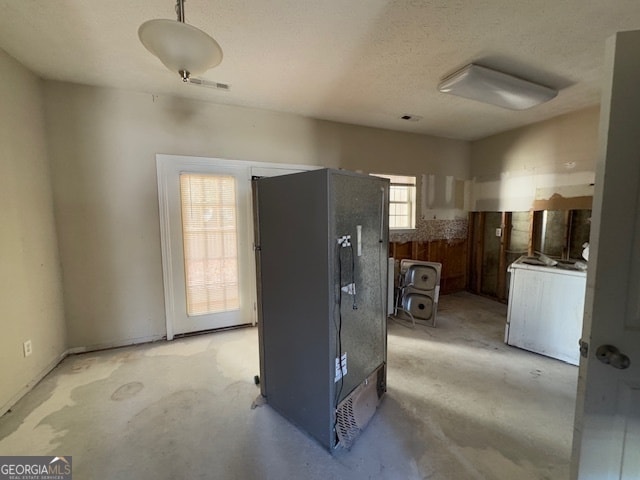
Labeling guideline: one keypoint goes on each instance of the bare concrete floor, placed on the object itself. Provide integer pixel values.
(461, 405)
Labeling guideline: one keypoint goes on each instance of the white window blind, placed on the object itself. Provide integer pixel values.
(402, 201)
(209, 221)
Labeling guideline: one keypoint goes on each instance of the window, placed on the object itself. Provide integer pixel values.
(402, 201)
(210, 243)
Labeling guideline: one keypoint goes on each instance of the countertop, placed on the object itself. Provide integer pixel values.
(566, 269)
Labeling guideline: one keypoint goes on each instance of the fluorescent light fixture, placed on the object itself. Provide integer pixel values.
(490, 86)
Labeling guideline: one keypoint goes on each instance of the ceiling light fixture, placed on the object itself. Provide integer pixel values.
(490, 86)
(182, 48)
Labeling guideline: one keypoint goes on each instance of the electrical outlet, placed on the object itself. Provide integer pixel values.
(498, 232)
(26, 346)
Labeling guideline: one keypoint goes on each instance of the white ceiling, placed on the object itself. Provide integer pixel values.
(364, 62)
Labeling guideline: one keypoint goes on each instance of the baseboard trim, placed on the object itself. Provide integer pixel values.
(117, 344)
(73, 351)
(33, 382)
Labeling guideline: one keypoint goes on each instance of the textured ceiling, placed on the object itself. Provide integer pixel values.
(364, 62)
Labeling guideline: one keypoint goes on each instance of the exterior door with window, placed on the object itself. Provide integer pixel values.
(207, 259)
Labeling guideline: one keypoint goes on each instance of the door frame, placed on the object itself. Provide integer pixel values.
(611, 305)
(166, 168)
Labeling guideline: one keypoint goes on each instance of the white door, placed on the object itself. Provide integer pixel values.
(607, 428)
(206, 234)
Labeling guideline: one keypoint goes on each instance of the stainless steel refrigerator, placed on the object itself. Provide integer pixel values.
(321, 251)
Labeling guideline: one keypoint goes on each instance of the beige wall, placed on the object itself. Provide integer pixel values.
(103, 144)
(30, 290)
(512, 169)
(386, 151)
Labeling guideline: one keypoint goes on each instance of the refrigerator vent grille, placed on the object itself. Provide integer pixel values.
(355, 411)
(347, 426)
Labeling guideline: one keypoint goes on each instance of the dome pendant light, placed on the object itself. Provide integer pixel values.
(182, 48)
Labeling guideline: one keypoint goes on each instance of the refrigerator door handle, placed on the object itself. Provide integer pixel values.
(382, 216)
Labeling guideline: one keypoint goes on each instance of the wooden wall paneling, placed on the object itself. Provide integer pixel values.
(452, 254)
(414, 250)
(400, 250)
(463, 268)
(438, 253)
(469, 245)
(433, 251)
(502, 263)
(479, 250)
(421, 251)
(454, 264)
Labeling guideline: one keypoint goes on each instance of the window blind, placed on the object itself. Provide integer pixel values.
(210, 239)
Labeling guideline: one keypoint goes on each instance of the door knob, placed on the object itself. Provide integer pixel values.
(610, 355)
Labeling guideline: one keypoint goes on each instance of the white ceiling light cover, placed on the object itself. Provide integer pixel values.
(179, 46)
(490, 86)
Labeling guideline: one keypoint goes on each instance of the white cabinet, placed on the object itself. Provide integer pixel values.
(545, 312)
